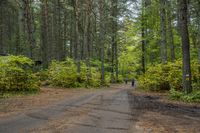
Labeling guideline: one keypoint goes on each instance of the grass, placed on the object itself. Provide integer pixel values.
(15, 93)
(193, 97)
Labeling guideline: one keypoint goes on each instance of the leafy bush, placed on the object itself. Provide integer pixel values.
(42, 77)
(195, 74)
(107, 78)
(120, 79)
(155, 78)
(166, 77)
(192, 97)
(65, 74)
(16, 74)
(95, 79)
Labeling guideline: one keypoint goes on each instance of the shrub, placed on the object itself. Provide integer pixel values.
(175, 75)
(42, 77)
(107, 78)
(161, 77)
(95, 79)
(155, 78)
(82, 78)
(166, 77)
(16, 74)
(120, 79)
(195, 66)
(192, 97)
(63, 73)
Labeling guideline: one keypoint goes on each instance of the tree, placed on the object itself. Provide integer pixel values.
(29, 19)
(185, 46)
(87, 35)
(101, 38)
(44, 33)
(170, 31)
(163, 31)
(77, 48)
(145, 4)
(114, 25)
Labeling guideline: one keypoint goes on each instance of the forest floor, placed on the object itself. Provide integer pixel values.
(117, 109)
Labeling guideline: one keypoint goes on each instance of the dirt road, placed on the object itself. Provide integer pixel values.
(116, 110)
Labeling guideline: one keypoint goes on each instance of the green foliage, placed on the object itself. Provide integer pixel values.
(65, 74)
(95, 77)
(155, 79)
(192, 97)
(89, 76)
(107, 78)
(42, 77)
(195, 74)
(16, 74)
(129, 63)
(166, 77)
(120, 79)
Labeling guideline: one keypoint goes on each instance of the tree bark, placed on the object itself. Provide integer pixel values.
(18, 33)
(163, 31)
(198, 21)
(86, 44)
(170, 32)
(143, 35)
(101, 39)
(1, 29)
(185, 46)
(78, 45)
(29, 25)
(114, 14)
(44, 33)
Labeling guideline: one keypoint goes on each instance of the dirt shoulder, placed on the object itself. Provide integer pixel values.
(47, 96)
(157, 113)
(163, 97)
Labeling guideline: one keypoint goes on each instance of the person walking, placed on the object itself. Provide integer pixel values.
(126, 80)
(133, 82)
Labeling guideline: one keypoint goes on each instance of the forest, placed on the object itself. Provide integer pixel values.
(93, 43)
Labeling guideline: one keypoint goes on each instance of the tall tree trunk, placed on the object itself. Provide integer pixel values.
(51, 35)
(29, 25)
(77, 45)
(198, 21)
(143, 50)
(65, 52)
(86, 43)
(72, 31)
(114, 14)
(55, 30)
(170, 32)
(18, 33)
(101, 39)
(44, 33)
(1, 29)
(143, 35)
(163, 31)
(59, 29)
(185, 46)
(199, 48)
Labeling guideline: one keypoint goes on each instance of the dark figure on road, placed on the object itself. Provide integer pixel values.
(126, 80)
(133, 82)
